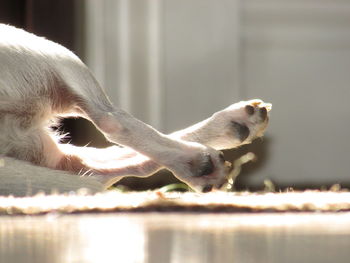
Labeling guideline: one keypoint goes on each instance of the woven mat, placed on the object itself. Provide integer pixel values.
(112, 201)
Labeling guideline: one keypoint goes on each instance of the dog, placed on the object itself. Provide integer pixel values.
(41, 82)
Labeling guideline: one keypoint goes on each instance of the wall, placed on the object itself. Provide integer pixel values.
(172, 63)
(297, 55)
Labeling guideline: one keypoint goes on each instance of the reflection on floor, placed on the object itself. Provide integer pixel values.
(176, 237)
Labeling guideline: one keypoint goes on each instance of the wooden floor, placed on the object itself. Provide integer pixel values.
(176, 237)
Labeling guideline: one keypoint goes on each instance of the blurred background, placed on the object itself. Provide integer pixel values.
(172, 63)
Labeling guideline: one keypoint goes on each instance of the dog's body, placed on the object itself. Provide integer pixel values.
(41, 80)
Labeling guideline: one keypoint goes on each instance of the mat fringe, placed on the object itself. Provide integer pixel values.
(112, 201)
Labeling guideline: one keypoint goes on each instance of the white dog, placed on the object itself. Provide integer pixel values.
(41, 80)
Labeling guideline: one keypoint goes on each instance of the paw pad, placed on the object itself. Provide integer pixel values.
(206, 167)
(241, 130)
(263, 113)
(249, 109)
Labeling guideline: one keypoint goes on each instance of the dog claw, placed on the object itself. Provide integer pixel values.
(268, 106)
(256, 103)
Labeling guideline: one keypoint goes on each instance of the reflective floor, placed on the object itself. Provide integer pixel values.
(177, 237)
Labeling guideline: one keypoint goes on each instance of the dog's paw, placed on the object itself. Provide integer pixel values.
(202, 168)
(238, 124)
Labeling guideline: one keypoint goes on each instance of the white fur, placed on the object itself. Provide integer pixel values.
(41, 80)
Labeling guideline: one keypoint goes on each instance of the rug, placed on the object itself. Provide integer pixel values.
(157, 201)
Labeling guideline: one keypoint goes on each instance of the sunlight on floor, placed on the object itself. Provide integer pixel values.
(112, 239)
(176, 237)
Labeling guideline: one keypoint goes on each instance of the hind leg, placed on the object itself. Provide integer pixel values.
(191, 162)
(238, 124)
(20, 178)
(108, 165)
(26, 154)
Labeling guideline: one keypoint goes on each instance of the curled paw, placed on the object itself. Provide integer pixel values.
(203, 170)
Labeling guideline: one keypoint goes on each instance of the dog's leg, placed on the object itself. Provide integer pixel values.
(236, 125)
(194, 163)
(24, 150)
(111, 164)
(20, 178)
